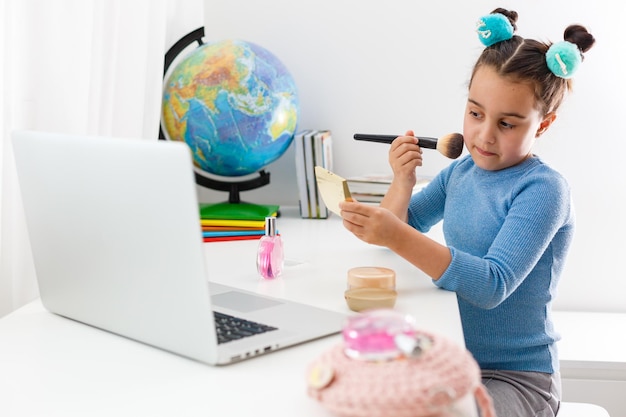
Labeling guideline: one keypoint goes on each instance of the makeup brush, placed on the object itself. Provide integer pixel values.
(449, 145)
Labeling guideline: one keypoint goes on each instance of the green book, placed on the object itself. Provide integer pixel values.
(238, 211)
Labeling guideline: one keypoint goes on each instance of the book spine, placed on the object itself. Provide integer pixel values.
(309, 162)
(323, 155)
(301, 175)
(327, 149)
(318, 156)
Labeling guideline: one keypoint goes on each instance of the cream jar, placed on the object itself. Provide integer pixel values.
(370, 287)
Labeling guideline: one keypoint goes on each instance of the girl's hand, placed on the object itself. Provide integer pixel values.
(404, 156)
(371, 224)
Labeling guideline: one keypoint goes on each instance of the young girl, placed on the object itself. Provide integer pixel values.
(507, 216)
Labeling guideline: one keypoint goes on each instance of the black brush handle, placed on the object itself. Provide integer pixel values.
(424, 142)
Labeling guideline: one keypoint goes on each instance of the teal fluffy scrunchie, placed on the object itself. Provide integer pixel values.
(563, 59)
(494, 28)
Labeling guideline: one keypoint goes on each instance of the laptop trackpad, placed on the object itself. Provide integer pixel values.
(246, 303)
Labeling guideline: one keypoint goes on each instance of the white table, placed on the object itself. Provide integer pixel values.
(51, 366)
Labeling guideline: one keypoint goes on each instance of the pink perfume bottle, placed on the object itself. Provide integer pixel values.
(270, 256)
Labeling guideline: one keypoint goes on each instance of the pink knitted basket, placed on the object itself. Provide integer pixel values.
(426, 385)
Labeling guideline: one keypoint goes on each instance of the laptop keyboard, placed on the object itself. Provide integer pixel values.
(231, 328)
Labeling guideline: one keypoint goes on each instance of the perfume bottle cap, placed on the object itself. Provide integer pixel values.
(270, 226)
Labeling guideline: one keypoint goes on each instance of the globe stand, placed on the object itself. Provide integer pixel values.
(233, 187)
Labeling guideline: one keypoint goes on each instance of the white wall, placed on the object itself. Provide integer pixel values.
(384, 67)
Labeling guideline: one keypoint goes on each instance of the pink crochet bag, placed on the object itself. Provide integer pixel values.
(430, 381)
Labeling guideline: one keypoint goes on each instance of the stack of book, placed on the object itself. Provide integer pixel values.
(234, 221)
(371, 188)
(313, 148)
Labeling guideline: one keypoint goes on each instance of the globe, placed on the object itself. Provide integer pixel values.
(234, 103)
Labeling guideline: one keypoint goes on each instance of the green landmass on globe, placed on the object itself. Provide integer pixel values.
(234, 103)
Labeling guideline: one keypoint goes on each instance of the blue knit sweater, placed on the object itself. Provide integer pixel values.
(508, 232)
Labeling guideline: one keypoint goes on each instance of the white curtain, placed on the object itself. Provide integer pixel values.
(73, 66)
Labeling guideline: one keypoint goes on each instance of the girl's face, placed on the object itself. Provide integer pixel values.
(501, 120)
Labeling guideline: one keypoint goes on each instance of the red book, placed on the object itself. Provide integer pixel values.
(229, 238)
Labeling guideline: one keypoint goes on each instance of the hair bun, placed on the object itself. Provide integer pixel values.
(580, 36)
(564, 57)
(494, 28)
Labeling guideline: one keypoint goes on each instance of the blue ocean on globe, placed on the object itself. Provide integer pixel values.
(234, 103)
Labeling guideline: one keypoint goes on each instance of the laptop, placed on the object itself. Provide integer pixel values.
(116, 240)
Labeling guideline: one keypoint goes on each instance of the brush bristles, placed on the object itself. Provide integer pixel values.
(451, 145)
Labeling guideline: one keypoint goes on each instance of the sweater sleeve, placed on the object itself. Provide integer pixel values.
(427, 206)
(539, 209)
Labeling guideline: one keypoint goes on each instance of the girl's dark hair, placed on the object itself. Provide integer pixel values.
(524, 60)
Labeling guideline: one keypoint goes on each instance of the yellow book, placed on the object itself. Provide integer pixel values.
(233, 222)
